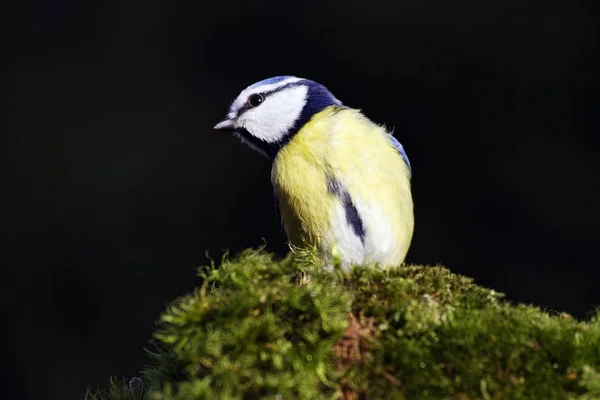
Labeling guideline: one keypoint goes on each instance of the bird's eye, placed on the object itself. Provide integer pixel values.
(255, 100)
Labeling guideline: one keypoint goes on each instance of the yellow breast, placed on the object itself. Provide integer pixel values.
(340, 143)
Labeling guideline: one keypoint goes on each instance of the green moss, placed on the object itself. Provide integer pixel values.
(290, 329)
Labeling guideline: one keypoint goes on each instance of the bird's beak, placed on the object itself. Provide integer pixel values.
(225, 125)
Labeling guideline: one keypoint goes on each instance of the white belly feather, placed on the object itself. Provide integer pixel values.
(380, 244)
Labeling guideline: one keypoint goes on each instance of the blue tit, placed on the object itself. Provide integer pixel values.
(342, 182)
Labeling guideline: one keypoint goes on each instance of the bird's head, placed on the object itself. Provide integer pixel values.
(268, 113)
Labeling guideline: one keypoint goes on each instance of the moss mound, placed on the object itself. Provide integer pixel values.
(288, 329)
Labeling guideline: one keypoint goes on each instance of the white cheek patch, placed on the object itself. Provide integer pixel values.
(274, 118)
(243, 96)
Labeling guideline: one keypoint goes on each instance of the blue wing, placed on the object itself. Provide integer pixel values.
(400, 150)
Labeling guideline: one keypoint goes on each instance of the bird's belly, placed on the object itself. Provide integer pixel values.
(385, 240)
(346, 192)
(324, 221)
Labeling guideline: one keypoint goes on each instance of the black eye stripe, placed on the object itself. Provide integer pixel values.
(266, 95)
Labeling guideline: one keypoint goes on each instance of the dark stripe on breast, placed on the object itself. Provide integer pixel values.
(352, 216)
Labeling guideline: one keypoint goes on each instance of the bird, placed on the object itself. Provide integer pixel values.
(342, 182)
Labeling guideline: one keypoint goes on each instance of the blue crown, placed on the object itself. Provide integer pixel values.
(269, 81)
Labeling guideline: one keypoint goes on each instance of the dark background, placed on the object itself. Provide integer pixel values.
(114, 184)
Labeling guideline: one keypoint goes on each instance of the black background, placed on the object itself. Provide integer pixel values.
(114, 184)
